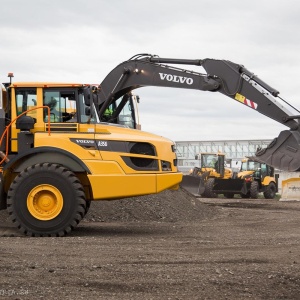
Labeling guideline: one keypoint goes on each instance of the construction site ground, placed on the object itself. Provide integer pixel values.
(167, 246)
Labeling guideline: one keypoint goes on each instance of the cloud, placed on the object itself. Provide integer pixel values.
(83, 40)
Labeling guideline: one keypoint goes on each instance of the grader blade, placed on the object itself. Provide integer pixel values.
(283, 152)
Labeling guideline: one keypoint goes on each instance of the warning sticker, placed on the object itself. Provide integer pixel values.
(245, 101)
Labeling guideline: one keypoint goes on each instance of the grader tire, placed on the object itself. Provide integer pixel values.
(46, 200)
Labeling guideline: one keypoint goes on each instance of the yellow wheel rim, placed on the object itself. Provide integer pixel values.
(45, 202)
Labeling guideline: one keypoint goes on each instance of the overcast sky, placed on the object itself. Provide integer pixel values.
(83, 40)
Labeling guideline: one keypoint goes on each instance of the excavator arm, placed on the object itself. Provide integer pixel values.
(141, 72)
(226, 77)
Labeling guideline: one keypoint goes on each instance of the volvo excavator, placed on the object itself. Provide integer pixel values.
(64, 145)
(223, 76)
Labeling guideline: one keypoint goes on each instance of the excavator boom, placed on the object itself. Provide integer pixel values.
(231, 79)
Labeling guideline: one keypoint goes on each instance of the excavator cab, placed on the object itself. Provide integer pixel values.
(123, 111)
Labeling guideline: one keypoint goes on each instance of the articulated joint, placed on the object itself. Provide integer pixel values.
(127, 70)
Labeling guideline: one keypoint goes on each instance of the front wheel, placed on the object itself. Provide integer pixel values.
(209, 188)
(46, 200)
(270, 191)
(245, 196)
(254, 190)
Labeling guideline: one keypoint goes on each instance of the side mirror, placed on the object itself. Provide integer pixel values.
(87, 96)
(87, 111)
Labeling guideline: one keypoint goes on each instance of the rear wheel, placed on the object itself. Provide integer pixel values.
(46, 200)
(245, 196)
(254, 190)
(209, 187)
(270, 191)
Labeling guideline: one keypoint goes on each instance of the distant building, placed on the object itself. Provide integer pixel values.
(234, 150)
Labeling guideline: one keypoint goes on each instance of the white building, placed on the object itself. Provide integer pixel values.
(234, 150)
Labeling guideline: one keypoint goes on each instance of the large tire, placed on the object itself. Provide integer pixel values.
(46, 200)
(245, 196)
(270, 191)
(254, 190)
(209, 186)
(87, 207)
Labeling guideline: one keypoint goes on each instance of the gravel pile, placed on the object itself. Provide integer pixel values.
(167, 206)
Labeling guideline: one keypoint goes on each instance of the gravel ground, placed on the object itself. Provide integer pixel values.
(166, 246)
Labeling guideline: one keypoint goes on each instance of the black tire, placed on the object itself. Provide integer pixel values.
(270, 191)
(254, 190)
(203, 195)
(46, 200)
(245, 196)
(229, 195)
(209, 186)
(87, 207)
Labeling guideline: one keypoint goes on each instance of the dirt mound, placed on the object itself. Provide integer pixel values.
(167, 206)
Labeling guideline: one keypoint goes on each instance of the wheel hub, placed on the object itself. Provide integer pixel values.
(45, 202)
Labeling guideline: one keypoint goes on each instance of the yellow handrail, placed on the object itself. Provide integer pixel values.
(9, 125)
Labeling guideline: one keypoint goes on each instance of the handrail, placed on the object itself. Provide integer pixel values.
(10, 124)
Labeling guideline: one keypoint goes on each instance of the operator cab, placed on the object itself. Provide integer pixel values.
(260, 170)
(69, 104)
(123, 111)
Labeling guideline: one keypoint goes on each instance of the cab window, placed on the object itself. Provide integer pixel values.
(209, 160)
(126, 115)
(26, 100)
(62, 105)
